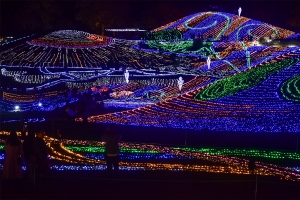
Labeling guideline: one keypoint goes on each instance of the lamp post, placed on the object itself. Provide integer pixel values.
(240, 11)
(208, 62)
(126, 75)
(180, 83)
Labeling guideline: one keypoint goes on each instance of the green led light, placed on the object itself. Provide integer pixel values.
(168, 34)
(228, 20)
(181, 47)
(290, 89)
(244, 80)
(100, 149)
(245, 153)
(272, 154)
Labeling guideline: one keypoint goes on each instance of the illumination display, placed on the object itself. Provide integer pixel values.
(43, 104)
(248, 85)
(243, 81)
(71, 39)
(88, 155)
(290, 89)
(126, 29)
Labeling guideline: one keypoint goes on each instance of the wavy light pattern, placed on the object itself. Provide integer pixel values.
(247, 87)
(222, 163)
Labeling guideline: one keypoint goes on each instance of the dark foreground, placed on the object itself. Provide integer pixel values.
(151, 185)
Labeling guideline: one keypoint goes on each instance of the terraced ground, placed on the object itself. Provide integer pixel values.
(248, 86)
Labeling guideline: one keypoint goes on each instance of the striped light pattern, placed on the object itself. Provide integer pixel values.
(221, 160)
(247, 87)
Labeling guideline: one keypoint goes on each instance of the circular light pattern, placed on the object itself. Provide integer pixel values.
(290, 89)
(248, 28)
(212, 24)
(235, 106)
(242, 90)
(71, 39)
(238, 114)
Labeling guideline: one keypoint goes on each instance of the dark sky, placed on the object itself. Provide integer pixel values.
(21, 17)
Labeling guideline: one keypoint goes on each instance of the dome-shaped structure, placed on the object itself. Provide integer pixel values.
(71, 39)
(220, 25)
(247, 81)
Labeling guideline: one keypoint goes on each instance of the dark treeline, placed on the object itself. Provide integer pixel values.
(43, 16)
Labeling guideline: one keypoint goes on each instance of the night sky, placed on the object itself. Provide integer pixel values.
(21, 17)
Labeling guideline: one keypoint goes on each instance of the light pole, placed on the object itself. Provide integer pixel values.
(208, 62)
(240, 11)
(126, 75)
(180, 83)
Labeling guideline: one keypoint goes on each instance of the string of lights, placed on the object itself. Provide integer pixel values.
(155, 149)
(243, 80)
(235, 165)
(71, 39)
